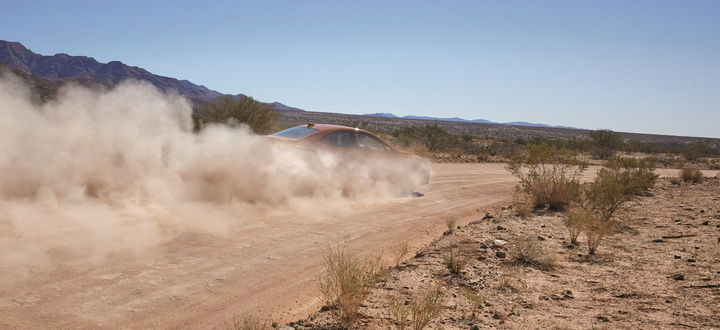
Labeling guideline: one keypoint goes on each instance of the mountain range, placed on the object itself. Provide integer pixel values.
(457, 119)
(44, 73)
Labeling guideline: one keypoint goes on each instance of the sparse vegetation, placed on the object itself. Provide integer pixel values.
(346, 282)
(575, 220)
(251, 323)
(692, 175)
(454, 262)
(426, 306)
(606, 143)
(233, 111)
(400, 251)
(399, 311)
(450, 223)
(548, 175)
(528, 252)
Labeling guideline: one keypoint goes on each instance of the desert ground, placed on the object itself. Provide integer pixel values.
(268, 266)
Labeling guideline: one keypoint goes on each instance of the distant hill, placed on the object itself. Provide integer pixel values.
(456, 119)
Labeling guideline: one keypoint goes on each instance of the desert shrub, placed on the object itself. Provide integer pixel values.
(400, 251)
(528, 252)
(607, 143)
(690, 174)
(619, 182)
(233, 111)
(426, 306)
(675, 181)
(548, 175)
(346, 281)
(596, 229)
(251, 323)
(575, 220)
(454, 262)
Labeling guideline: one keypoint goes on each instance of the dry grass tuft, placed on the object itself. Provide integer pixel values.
(454, 262)
(426, 306)
(346, 282)
(450, 223)
(400, 251)
(251, 323)
(691, 175)
(399, 311)
(528, 252)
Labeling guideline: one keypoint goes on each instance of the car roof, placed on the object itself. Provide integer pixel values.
(330, 127)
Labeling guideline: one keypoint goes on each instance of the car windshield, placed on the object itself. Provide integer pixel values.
(296, 132)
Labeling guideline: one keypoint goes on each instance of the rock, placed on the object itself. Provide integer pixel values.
(679, 277)
(540, 238)
(474, 327)
(658, 240)
(483, 246)
(691, 260)
(567, 294)
(544, 297)
(499, 243)
(488, 216)
(677, 256)
(497, 315)
(287, 328)
(499, 228)
(500, 254)
(602, 318)
(705, 223)
(325, 308)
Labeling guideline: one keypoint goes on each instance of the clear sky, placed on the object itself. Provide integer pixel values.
(638, 66)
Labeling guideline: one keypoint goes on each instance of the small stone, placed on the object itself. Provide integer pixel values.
(499, 242)
(602, 318)
(567, 294)
(658, 240)
(474, 327)
(483, 246)
(499, 228)
(540, 238)
(325, 308)
(705, 223)
(691, 260)
(497, 315)
(500, 254)
(677, 256)
(679, 277)
(488, 216)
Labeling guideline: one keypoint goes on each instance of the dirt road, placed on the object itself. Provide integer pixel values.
(264, 267)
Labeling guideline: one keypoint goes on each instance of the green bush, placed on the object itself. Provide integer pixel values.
(607, 143)
(621, 180)
(549, 176)
(233, 111)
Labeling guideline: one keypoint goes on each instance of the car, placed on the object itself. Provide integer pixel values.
(359, 145)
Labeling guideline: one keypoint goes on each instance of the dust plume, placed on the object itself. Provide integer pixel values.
(96, 173)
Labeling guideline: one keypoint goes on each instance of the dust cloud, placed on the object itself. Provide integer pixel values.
(97, 173)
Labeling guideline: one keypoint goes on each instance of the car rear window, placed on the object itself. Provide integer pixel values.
(296, 132)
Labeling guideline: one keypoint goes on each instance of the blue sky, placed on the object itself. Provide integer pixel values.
(638, 66)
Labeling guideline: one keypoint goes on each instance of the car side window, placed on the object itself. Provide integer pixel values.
(367, 141)
(342, 139)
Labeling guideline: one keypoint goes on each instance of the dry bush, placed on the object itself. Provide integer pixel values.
(251, 323)
(523, 203)
(476, 298)
(454, 262)
(528, 252)
(622, 180)
(450, 223)
(426, 306)
(232, 111)
(574, 221)
(692, 175)
(400, 251)
(346, 282)
(596, 229)
(399, 311)
(550, 176)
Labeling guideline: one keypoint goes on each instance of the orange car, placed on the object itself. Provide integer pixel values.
(355, 142)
